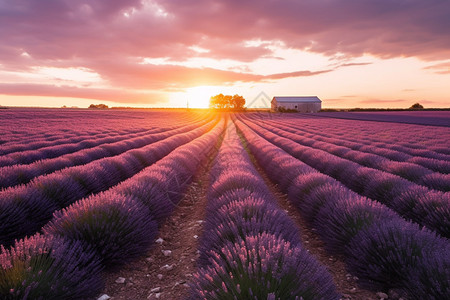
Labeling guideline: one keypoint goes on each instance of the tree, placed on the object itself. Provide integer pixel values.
(416, 106)
(222, 101)
(237, 102)
(102, 106)
(217, 101)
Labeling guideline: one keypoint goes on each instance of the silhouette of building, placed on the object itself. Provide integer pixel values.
(300, 104)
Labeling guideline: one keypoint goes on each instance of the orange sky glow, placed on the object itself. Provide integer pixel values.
(153, 53)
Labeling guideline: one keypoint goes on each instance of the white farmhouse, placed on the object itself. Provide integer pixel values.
(300, 104)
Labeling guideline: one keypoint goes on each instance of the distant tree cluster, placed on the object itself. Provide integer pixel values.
(221, 101)
(416, 106)
(102, 106)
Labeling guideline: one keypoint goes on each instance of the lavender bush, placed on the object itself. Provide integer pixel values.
(262, 267)
(119, 228)
(303, 185)
(235, 181)
(244, 217)
(432, 209)
(317, 197)
(386, 254)
(430, 277)
(47, 267)
(22, 210)
(154, 191)
(345, 215)
(68, 185)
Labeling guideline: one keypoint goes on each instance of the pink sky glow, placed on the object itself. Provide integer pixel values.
(350, 53)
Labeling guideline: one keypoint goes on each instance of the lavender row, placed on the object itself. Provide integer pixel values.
(29, 156)
(21, 174)
(28, 141)
(101, 232)
(24, 209)
(250, 248)
(434, 118)
(38, 131)
(409, 171)
(55, 140)
(411, 137)
(412, 140)
(426, 207)
(383, 250)
(438, 165)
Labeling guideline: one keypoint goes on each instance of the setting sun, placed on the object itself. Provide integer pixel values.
(195, 97)
(198, 97)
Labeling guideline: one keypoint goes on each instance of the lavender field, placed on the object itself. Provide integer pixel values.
(85, 193)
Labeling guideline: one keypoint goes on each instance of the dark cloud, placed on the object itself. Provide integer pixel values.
(65, 29)
(381, 27)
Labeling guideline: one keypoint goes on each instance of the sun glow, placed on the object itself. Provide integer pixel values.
(199, 96)
(195, 97)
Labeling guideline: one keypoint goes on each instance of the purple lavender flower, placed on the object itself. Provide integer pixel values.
(384, 255)
(118, 227)
(47, 267)
(262, 267)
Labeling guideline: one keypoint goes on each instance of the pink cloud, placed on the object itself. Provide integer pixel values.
(136, 79)
(147, 76)
(441, 68)
(381, 27)
(54, 30)
(119, 96)
(110, 37)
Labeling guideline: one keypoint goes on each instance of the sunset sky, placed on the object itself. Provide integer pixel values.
(350, 53)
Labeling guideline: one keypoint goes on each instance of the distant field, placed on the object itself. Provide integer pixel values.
(436, 118)
(85, 194)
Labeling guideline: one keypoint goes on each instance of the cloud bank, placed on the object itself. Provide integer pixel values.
(112, 37)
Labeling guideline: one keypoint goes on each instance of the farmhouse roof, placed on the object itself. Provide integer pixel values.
(301, 99)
